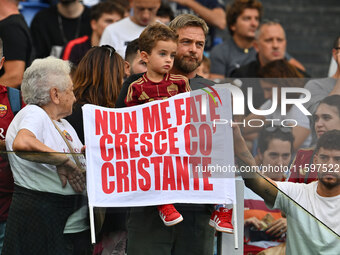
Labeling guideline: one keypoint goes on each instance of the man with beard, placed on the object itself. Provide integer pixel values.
(191, 33)
(148, 235)
(311, 209)
(54, 27)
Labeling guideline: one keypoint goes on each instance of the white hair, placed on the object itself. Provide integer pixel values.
(43, 75)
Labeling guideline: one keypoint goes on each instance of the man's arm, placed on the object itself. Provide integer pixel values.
(264, 187)
(14, 71)
(215, 16)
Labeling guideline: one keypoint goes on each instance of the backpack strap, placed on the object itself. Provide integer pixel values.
(14, 99)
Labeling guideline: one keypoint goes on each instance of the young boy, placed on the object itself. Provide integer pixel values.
(158, 45)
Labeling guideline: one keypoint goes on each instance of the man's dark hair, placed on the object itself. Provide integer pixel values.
(333, 100)
(236, 9)
(276, 132)
(105, 7)
(330, 140)
(336, 43)
(131, 50)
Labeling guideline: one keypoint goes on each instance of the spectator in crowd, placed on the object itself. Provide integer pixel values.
(54, 27)
(243, 18)
(48, 213)
(17, 44)
(10, 104)
(325, 118)
(270, 44)
(262, 225)
(204, 69)
(98, 80)
(211, 11)
(102, 15)
(134, 64)
(165, 14)
(120, 33)
(191, 32)
(312, 227)
(278, 74)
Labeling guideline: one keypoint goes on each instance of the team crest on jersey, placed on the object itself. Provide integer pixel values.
(172, 89)
(67, 135)
(3, 110)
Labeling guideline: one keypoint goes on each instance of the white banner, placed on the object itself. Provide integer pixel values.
(161, 152)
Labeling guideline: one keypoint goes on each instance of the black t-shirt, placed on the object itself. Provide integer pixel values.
(17, 41)
(47, 31)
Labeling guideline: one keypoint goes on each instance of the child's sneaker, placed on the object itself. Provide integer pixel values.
(221, 220)
(169, 215)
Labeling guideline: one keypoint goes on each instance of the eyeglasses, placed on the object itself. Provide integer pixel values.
(337, 48)
(272, 129)
(109, 48)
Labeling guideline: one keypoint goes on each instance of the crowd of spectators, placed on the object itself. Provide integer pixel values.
(78, 52)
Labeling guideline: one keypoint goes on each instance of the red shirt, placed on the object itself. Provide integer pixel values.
(143, 90)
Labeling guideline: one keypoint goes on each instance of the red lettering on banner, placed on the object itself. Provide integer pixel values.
(116, 122)
(168, 174)
(144, 183)
(195, 161)
(206, 174)
(101, 122)
(188, 139)
(193, 111)
(179, 111)
(121, 147)
(160, 149)
(182, 173)
(156, 162)
(165, 114)
(130, 122)
(106, 154)
(205, 139)
(132, 145)
(122, 170)
(146, 149)
(151, 119)
(133, 175)
(107, 170)
(173, 140)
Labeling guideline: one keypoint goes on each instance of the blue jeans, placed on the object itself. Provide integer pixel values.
(2, 234)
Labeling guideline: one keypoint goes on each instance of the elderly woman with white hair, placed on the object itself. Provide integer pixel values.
(48, 210)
